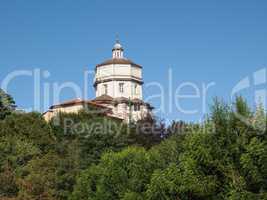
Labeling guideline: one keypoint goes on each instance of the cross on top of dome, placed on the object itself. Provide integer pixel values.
(117, 44)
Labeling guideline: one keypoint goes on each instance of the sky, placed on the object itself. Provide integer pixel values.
(191, 51)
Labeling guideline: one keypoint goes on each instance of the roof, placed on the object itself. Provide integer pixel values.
(76, 102)
(118, 61)
(103, 97)
(138, 101)
(109, 100)
(121, 100)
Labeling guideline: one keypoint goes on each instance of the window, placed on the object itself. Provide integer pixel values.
(136, 107)
(135, 88)
(121, 88)
(105, 88)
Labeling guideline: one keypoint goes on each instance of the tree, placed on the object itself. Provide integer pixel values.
(96, 157)
(7, 104)
(121, 175)
(223, 158)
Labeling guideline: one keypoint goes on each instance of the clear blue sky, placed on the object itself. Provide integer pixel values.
(202, 41)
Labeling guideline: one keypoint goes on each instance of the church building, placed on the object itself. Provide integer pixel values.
(118, 87)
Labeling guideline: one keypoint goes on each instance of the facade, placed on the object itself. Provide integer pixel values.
(118, 87)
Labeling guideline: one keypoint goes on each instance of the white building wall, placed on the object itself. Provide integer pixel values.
(118, 70)
(122, 111)
(68, 109)
(122, 70)
(136, 71)
(113, 75)
(130, 89)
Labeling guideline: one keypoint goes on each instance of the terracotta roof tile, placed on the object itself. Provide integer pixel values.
(77, 102)
(118, 61)
(103, 98)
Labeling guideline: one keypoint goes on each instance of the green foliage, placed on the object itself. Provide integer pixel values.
(8, 185)
(23, 138)
(88, 156)
(90, 134)
(120, 175)
(7, 104)
(223, 158)
(53, 154)
(253, 164)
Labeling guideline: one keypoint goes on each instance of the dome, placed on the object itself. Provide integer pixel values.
(118, 61)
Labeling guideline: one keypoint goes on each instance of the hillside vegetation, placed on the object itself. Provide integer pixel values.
(88, 156)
